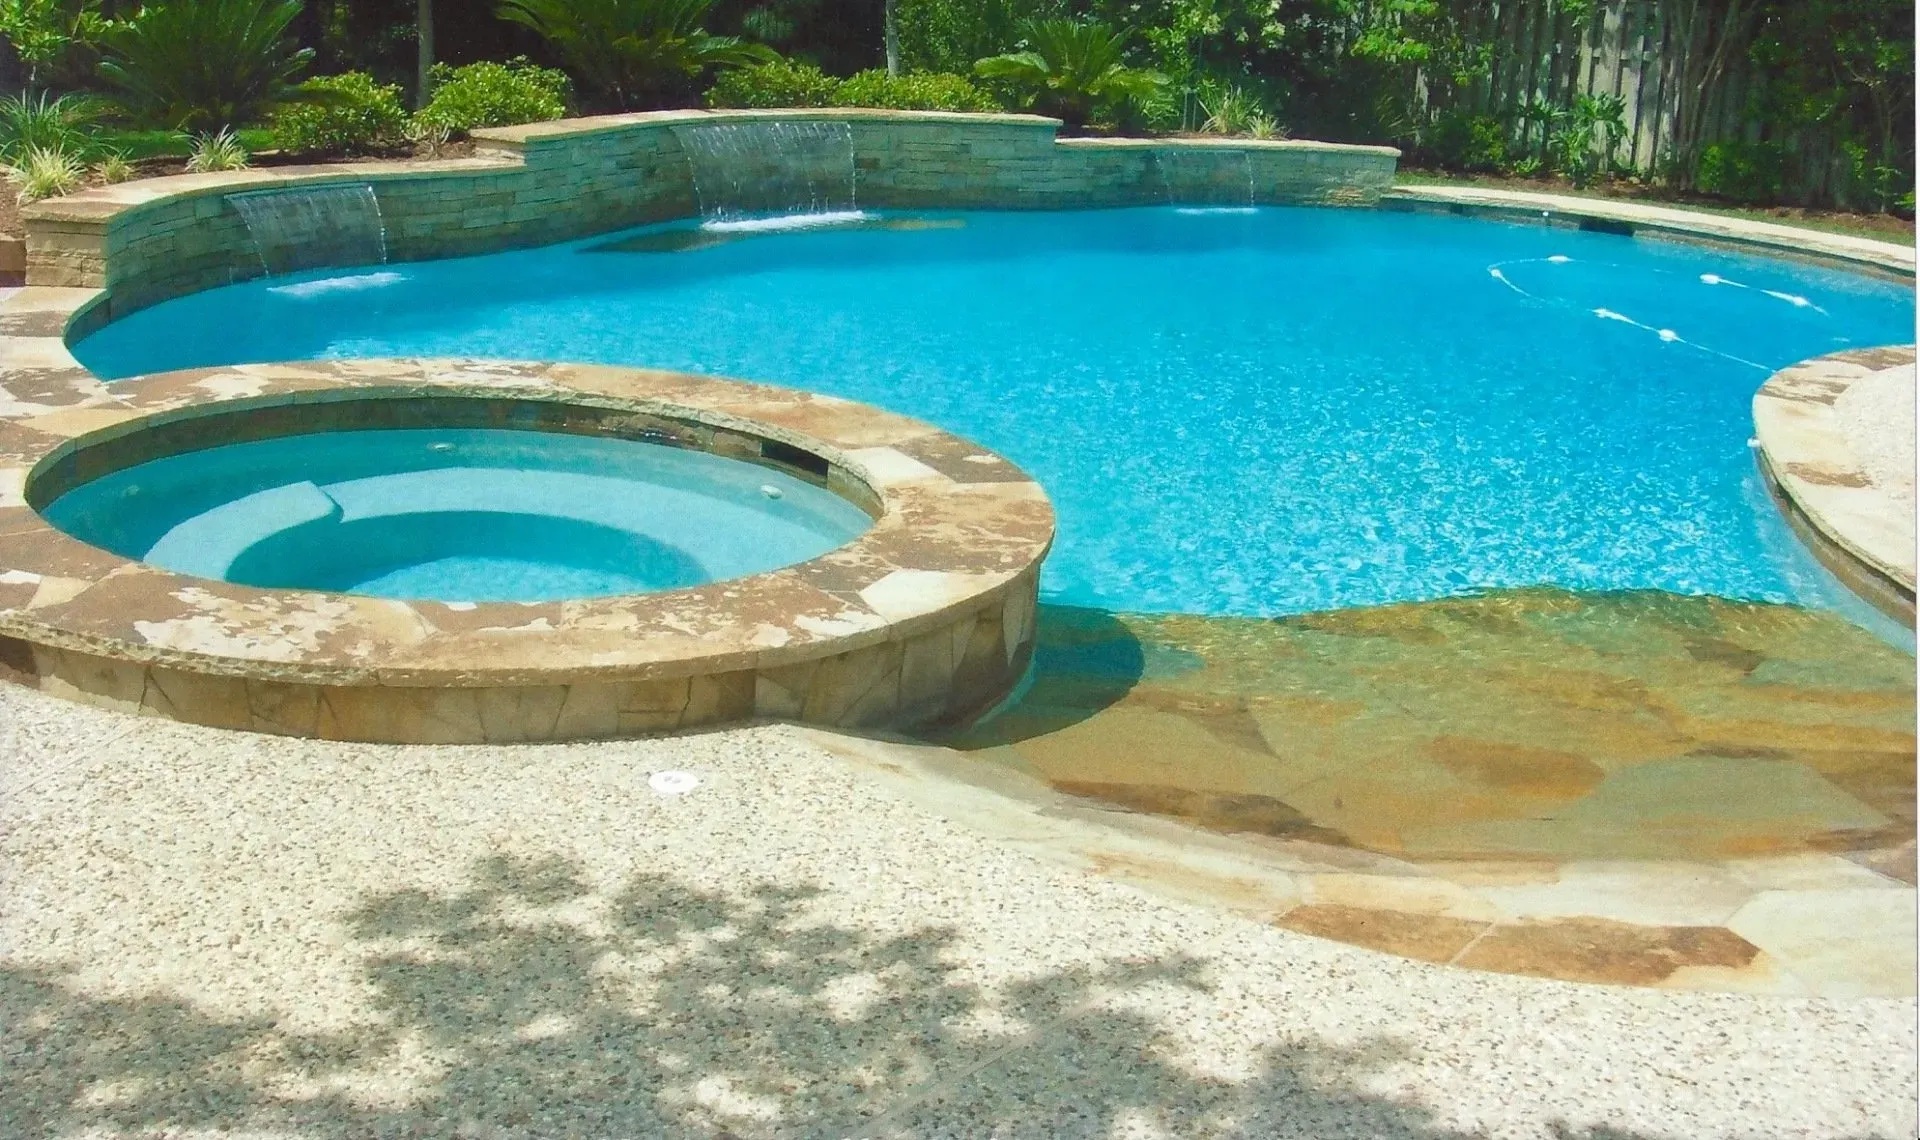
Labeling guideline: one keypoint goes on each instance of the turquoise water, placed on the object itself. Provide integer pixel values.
(1261, 414)
(458, 515)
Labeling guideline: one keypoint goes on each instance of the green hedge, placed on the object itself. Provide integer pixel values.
(785, 83)
(788, 83)
(352, 114)
(495, 95)
(923, 91)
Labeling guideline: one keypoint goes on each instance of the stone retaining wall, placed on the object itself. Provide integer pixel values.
(144, 242)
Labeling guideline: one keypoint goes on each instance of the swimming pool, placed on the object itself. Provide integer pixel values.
(1262, 413)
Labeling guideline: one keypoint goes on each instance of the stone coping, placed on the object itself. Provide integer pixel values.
(956, 526)
(1635, 218)
(1855, 527)
(524, 133)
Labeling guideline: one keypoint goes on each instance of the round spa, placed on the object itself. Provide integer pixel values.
(458, 515)
(457, 552)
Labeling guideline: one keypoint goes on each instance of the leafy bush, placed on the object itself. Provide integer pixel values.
(495, 95)
(352, 113)
(1742, 171)
(638, 53)
(200, 65)
(923, 91)
(1072, 70)
(1462, 141)
(45, 172)
(56, 41)
(781, 83)
(787, 83)
(65, 124)
(219, 151)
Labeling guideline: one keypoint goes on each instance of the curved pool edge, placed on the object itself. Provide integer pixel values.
(1644, 219)
(1821, 485)
(925, 619)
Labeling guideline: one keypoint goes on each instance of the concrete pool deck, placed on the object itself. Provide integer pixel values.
(206, 931)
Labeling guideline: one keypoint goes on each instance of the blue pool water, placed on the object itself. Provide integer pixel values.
(1261, 414)
(458, 515)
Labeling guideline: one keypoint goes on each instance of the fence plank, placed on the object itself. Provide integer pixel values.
(1632, 50)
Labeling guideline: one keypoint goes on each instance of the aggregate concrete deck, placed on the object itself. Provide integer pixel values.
(209, 932)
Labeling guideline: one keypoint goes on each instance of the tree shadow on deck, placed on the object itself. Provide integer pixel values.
(530, 1005)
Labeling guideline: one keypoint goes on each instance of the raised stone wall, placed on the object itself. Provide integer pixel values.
(147, 241)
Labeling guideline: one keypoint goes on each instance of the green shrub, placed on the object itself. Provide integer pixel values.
(1742, 171)
(65, 124)
(921, 91)
(782, 83)
(495, 95)
(1261, 125)
(352, 114)
(114, 167)
(222, 150)
(45, 172)
(1461, 141)
(1230, 110)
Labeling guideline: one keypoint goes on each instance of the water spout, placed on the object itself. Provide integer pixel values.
(308, 227)
(1206, 179)
(772, 175)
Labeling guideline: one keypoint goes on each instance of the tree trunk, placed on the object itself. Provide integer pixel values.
(891, 20)
(423, 84)
(1709, 34)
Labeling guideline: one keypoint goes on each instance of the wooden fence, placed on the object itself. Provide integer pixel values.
(1634, 50)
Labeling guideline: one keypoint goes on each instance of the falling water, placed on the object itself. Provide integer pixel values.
(307, 227)
(771, 174)
(1206, 178)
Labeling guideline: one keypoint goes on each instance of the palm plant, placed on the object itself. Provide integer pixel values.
(1071, 69)
(200, 65)
(637, 52)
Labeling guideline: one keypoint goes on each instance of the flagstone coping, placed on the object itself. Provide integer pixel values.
(1859, 528)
